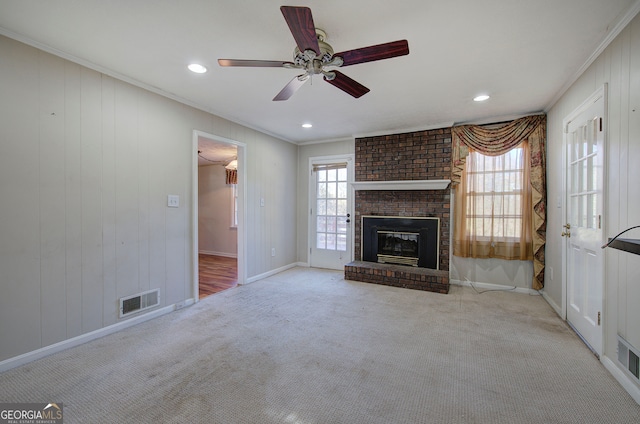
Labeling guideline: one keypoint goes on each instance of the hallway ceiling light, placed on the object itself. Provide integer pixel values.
(481, 98)
(307, 125)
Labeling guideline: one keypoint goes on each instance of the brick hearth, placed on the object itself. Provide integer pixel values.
(398, 276)
(410, 156)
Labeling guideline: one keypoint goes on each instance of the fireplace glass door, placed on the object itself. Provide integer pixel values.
(396, 247)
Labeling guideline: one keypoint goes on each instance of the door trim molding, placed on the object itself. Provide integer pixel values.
(242, 201)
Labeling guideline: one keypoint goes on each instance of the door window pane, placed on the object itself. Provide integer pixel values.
(332, 190)
(322, 206)
(331, 210)
(342, 190)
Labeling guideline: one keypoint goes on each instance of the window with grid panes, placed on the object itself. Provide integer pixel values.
(494, 194)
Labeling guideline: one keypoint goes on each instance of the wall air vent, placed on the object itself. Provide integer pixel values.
(629, 357)
(139, 302)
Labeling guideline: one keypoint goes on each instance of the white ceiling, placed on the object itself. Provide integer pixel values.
(523, 53)
(211, 152)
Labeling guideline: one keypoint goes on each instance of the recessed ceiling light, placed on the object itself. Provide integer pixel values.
(197, 68)
(481, 98)
(307, 125)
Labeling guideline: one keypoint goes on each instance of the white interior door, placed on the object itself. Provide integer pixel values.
(330, 213)
(583, 229)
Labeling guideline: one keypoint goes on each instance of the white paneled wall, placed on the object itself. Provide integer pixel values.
(619, 67)
(19, 209)
(86, 164)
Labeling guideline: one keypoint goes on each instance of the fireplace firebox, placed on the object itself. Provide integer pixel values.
(398, 247)
(407, 241)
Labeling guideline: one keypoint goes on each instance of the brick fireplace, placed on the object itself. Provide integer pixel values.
(390, 165)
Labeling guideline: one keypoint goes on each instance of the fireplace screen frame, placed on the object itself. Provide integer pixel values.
(428, 229)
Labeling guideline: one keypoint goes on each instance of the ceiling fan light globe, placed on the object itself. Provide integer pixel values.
(329, 76)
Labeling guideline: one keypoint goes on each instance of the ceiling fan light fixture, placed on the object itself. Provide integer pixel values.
(197, 68)
(481, 98)
(313, 54)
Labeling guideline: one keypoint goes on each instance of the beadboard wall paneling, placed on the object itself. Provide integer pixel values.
(86, 164)
(619, 67)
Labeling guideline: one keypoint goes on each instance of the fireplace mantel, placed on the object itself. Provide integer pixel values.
(402, 185)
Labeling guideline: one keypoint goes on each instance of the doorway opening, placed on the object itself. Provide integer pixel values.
(218, 214)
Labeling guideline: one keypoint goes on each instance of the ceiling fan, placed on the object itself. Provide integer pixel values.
(315, 56)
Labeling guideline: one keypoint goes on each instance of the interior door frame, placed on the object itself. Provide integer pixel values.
(350, 159)
(242, 212)
(599, 93)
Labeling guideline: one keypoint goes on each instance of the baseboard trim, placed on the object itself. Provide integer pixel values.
(622, 378)
(493, 287)
(25, 358)
(553, 304)
(223, 254)
(270, 273)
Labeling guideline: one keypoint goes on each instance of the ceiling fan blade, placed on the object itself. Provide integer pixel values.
(254, 63)
(302, 28)
(348, 85)
(291, 87)
(377, 52)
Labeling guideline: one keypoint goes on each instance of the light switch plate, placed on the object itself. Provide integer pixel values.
(173, 201)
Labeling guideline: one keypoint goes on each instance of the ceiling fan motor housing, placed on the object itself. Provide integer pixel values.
(312, 62)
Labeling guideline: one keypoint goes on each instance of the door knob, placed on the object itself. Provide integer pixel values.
(567, 226)
(568, 234)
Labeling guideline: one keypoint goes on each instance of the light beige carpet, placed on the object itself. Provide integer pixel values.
(305, 346)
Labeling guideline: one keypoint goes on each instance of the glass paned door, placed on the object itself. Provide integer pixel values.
(583, 232)
(330, 214)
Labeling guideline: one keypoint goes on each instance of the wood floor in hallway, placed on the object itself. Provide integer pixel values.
(217, 273)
